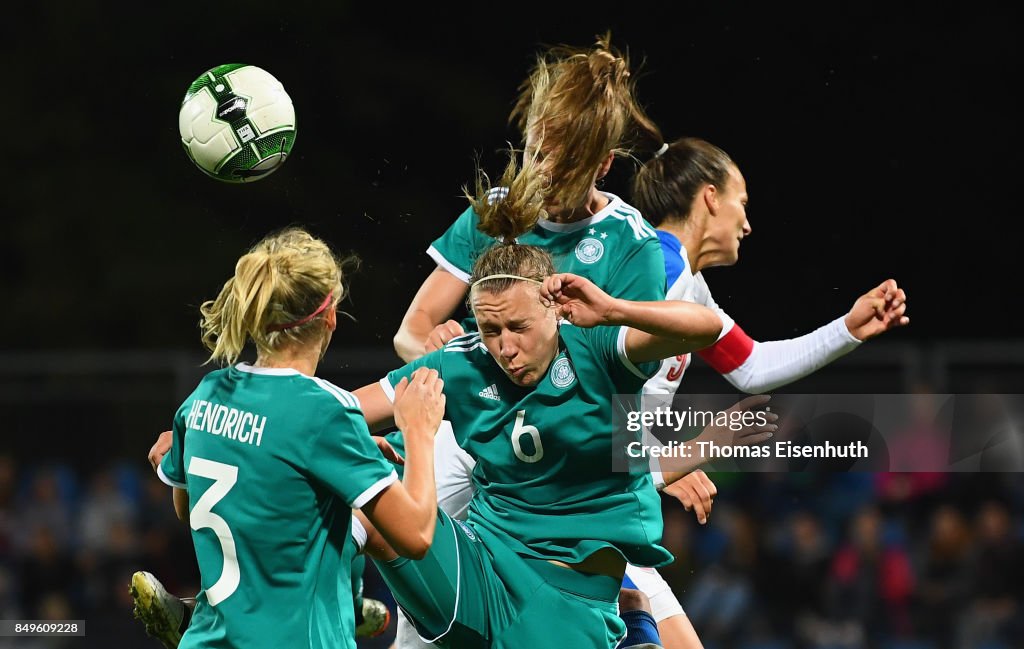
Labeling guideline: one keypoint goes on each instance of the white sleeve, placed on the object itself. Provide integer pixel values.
(779, 362)
(664, 603)
(358, 534)
(453, 469)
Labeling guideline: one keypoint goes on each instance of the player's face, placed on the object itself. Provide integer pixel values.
(729, 224)
(519, 332)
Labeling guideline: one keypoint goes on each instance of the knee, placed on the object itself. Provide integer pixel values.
(633, 600)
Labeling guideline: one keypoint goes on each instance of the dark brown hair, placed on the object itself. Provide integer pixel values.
(665, 186)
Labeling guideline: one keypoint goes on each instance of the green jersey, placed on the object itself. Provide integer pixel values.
(543, 476)
(615, 248)
(273, 461)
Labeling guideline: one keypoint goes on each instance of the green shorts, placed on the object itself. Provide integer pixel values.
(472, 591)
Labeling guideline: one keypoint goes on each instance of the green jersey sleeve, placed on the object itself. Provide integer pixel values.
(430, 361)
(394, 377)
(172, 467)
(343, 456)
(610, 345)
(460, 245)
(640, 274)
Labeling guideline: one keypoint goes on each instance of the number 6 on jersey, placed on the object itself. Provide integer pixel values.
(521, 429)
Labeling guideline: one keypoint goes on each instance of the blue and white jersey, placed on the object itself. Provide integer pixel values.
(683, 284)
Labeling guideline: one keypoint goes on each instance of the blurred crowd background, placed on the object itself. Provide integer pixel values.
(786, 561)
(800, 560)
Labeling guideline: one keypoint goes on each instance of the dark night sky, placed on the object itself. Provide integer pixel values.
(877, 141)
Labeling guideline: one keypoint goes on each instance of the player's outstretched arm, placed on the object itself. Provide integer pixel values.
(425, 326)
(405, 513)
(755, 367)
(658, 330)
(378, 410)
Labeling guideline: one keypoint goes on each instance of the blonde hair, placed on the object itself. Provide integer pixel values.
(520, 262)
(507, 211)
(576, 107)
(277, 285)
(512, 207)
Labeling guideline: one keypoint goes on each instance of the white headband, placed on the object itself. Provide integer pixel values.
(660, 151)
(504, 276)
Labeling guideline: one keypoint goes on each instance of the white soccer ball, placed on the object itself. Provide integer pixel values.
(237, 123)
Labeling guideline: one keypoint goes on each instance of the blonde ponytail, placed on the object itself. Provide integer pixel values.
(276, 297)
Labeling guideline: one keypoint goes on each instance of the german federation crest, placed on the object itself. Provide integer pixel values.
(562, 374)
(589, 250)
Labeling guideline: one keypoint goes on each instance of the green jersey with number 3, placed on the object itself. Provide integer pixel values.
(273, 462)
(543, 477)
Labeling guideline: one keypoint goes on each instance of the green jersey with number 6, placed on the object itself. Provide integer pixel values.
(615, 248)
(273, 462)
(543, 476)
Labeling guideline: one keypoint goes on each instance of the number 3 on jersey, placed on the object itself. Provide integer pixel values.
(521, 429)
(224, 476)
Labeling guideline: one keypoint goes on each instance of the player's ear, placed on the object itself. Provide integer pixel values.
(331, 318)
(710, 196)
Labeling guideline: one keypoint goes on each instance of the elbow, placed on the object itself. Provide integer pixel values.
(747, 386)
(710, 332)
(415, 548)
(715, 326)
(749, 376)
(398, 342)
(751, 386)
(405, 344)
(704, 341)
(419, 551)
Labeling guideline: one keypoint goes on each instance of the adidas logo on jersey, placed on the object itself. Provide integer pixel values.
(490, 392)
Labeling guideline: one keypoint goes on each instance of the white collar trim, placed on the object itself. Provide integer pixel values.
(268, 371)
(614, 202)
